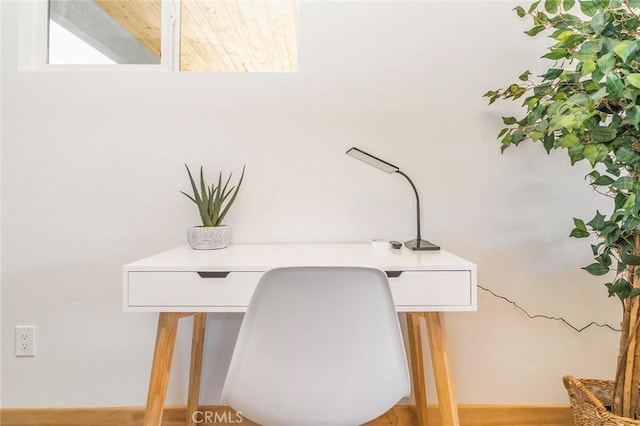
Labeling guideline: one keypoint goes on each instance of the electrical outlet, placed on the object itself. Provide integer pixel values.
(26, 340)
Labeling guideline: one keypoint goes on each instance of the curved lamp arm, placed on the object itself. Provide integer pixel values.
(418, 237)
(418, 243)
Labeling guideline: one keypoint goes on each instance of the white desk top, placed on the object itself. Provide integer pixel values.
(261, 257)
(173, 281)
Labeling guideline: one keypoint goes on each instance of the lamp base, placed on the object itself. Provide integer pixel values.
(421, 245)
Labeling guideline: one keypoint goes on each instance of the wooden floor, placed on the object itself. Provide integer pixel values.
(400, 415)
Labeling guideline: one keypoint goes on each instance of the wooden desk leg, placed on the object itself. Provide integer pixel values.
(195, 370)
(441, 370)
(161, 367)
(417, 366)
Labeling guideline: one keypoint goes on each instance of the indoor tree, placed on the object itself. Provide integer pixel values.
(588, 103)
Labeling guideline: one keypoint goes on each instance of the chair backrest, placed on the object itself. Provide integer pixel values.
(318, 346)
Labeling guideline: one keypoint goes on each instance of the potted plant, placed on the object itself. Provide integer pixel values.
(214, 202)
(588, 103)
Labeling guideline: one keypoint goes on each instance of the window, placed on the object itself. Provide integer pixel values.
(125, 32)
(184, 35)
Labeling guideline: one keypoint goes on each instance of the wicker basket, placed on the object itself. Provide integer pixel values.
(589, 399)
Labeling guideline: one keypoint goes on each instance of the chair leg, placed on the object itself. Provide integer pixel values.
(417, 366)
(441, 368)
(195, 370)
(161, 367)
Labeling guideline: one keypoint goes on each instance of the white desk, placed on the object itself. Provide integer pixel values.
(183, 282)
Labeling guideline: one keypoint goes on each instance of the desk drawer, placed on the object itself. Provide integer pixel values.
(186, 289)
(432, 288)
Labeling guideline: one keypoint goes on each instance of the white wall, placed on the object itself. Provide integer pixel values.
(92, 164)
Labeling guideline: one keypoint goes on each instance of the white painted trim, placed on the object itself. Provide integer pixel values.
(42, 22)
(170, 35)
(29, 36)
(101, 67)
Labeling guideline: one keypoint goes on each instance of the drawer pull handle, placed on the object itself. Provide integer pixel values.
(393, 274)
(213, 274)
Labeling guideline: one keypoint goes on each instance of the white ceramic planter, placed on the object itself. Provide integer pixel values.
(208, 237)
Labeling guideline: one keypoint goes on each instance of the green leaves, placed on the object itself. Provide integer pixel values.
(569, 140)
(595, 153)
(626, 49)
(626, 155)
(596, 96)
(566, 121)
(556, 53)
(588, 103)
(633, 79)
(588, 67)
(633, 117)
(630, 259)
(598, 23)
(603, 134)
(492, 95)
(535, 30)
(524, 76)
(625, 183)
(575, 153)
(598, 222)
(580, 230)
(552, 73)
(551, 6)
(596, 269)
(213, 201)
(615, 85)
(606, 63)
(534, 6)
(603, 181)
(621, 288)
(588, 7)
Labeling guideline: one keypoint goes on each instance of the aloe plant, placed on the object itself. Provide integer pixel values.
(213, 201)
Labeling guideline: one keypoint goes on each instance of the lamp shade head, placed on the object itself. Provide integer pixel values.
(372, 160)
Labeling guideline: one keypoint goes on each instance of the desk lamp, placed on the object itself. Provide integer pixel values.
(418, 243)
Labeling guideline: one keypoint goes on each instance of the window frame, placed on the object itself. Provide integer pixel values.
(169, 42)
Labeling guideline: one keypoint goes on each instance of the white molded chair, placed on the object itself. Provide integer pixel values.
(318, 346)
